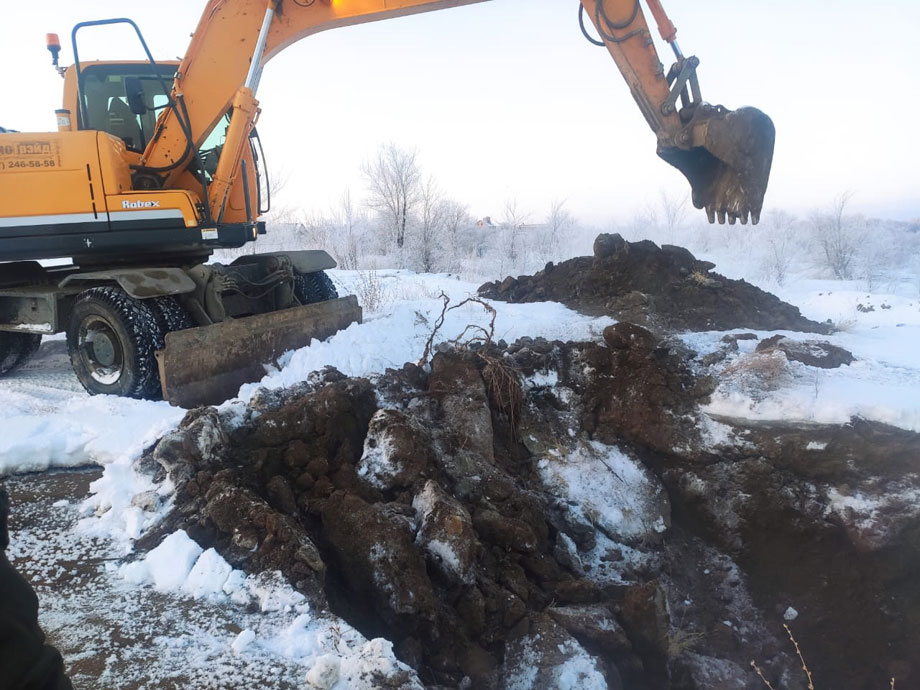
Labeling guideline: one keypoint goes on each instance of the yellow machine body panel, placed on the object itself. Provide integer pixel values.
(178, 205)
(52, 173)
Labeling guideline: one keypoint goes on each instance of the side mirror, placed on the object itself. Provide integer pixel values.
(134, 92)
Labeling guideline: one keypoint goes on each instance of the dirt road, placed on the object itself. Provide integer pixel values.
(116, 635)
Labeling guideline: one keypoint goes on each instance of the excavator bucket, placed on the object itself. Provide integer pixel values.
(728, 162)
(207, 365)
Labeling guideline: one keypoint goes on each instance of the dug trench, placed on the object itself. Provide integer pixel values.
(562, 515)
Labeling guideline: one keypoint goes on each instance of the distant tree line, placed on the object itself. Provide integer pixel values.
(407, 220)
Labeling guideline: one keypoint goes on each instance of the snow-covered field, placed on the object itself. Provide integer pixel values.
(47, 421)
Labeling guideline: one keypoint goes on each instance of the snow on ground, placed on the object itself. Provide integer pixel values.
(397, 333)
(205, 631)
(48, 421)
(178, 616)
(883, 384)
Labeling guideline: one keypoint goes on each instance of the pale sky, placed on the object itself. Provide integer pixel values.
(505, 99)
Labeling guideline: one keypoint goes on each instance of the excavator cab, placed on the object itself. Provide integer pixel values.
(123, 100)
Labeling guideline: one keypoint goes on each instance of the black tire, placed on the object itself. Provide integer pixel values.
(111, 340)
(310, 288)
(16, 349)
(171, 315)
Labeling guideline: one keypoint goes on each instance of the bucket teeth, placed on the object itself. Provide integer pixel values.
(729, 168)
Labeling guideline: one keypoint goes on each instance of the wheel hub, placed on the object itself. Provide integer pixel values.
(101, 350)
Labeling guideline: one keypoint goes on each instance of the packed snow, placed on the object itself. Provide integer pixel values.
(609, 489)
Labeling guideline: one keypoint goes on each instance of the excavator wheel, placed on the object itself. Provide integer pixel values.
(310, 288)
(171, 315)
(16, 349)
(111, 340)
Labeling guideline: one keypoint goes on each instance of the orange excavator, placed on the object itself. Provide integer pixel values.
(157, 164)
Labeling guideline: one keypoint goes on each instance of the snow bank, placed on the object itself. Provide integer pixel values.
(334, 655)
(882, 385)
(398, 334)
(38, 432)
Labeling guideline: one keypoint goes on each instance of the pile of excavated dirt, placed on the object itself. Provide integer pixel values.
(662, 288)
(561, 515)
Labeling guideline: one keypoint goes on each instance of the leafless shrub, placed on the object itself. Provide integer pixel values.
(780, 236)
(371, 291)
(839, 237)
(472, 334)
(805, 669)
(680, 641)
(503, 381)
(798, 651)
(759, 371)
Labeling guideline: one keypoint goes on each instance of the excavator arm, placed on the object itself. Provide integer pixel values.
(725, 155)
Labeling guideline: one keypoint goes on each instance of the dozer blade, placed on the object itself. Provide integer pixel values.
(207, 365)
(728, 164)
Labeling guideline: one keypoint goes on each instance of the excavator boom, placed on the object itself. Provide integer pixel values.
(725, 156)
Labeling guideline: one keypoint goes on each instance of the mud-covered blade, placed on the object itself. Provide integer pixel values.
(728, 165)
(207, 365)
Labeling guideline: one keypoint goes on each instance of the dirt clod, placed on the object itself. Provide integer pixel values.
(813, 353)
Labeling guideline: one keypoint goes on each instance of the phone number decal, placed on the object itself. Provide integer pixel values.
(30, 155)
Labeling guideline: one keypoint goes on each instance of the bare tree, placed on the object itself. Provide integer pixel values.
(513, 221)
(430, 225)
(838, 237)
(350, 224)
(559, 222)
(673, 213)
(312, 231)
(780, 233)
(271, 190)
(394, 182)
(457, 221)
(644, 224)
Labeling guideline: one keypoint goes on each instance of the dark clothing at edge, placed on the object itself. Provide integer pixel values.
(26, 662)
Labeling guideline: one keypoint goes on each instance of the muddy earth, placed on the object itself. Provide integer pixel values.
(562, 515)
(665, 289)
